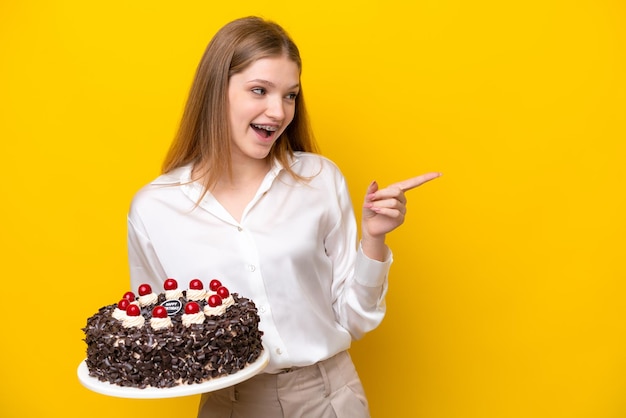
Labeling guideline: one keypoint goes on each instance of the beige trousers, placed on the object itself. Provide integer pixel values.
(328, 389)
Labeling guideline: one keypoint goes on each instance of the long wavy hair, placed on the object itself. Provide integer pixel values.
(204, 136)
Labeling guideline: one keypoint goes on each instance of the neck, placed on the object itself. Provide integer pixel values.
(244, 174)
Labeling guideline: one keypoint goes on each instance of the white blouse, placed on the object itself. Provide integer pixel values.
(294, 254)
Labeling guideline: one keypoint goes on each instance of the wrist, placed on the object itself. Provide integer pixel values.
(374, 247)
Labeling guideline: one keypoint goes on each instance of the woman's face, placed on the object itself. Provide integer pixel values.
(262, 100)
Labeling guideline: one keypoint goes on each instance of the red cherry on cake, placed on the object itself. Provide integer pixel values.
(196, 284)
(223, 292)
(192, 308)
(133, 310)
(144, 289)
(159, 312)
(214, 300)
(170, 284)
(123, 304)
(129, 295)
(214, 285)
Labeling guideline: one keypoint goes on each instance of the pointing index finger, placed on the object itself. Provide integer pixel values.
(414, 182)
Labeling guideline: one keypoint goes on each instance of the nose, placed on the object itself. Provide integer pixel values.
(275, 108)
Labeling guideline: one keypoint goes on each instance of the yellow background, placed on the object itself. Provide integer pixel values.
(507, 294)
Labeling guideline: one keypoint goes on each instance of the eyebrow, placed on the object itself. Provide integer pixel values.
(270, 84)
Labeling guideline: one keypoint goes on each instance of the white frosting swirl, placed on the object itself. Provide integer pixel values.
(173, 294)
(229, 301)
(160, 323)
(196, 318)
(133, 321)
(196, 294)
(119, 314)
(149, 299)
(216, 311)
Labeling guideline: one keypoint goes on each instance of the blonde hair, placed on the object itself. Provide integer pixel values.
(203, 137)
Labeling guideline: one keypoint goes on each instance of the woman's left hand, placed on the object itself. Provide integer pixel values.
(384, 209)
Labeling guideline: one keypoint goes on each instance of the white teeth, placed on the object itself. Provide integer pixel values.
(266, 127)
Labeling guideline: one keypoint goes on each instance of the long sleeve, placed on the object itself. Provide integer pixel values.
(360, 283)
(144, 265)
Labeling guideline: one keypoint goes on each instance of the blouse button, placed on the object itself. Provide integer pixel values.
(251, 267)
(239, 229)
(279, 351)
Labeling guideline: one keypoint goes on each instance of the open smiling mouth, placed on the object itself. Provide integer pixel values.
(266, 130)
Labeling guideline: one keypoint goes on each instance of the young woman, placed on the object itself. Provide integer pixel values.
(245, 198)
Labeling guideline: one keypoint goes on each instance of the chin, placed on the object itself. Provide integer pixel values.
(261, 153)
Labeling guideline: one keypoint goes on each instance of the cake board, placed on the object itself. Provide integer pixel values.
(109, 389)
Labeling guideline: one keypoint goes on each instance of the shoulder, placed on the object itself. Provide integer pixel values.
(166, 188)
(175, 177)
(313, 165)
(319, 172)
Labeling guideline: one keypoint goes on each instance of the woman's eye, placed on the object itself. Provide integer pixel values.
(258, 90)
(292, 96)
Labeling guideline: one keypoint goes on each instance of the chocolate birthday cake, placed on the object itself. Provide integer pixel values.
(172, 338)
